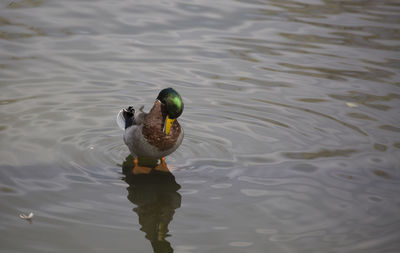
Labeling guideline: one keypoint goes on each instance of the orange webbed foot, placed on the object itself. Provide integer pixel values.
(140, 169)
(162, 166)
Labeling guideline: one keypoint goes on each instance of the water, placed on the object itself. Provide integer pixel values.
(291, 121)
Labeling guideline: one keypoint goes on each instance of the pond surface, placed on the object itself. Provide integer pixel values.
(292, 125)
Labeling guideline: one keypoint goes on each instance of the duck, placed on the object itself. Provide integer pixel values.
(155, 134)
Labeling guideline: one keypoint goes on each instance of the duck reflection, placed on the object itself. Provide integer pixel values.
(156, 198)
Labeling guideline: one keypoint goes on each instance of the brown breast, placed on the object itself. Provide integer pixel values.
(153, 129)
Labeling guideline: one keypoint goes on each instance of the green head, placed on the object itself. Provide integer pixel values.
(172, 102)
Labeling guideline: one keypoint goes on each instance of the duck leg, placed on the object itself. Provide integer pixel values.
(162, 166)
(139, 169)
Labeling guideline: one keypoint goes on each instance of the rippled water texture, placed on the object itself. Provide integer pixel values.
(292, 125)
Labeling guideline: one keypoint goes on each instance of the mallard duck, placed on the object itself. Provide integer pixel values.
(155, 134)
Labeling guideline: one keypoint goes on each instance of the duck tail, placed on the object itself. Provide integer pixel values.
(125, 117)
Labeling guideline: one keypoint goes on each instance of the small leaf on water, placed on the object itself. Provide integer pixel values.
(350, 104)
(26, 217)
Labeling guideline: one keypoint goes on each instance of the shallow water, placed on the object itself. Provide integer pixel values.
(292, 130)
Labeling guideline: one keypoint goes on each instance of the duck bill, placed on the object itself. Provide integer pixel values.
(167, 125)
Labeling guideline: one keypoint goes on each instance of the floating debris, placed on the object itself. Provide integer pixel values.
(26, 217)
(350, 104)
